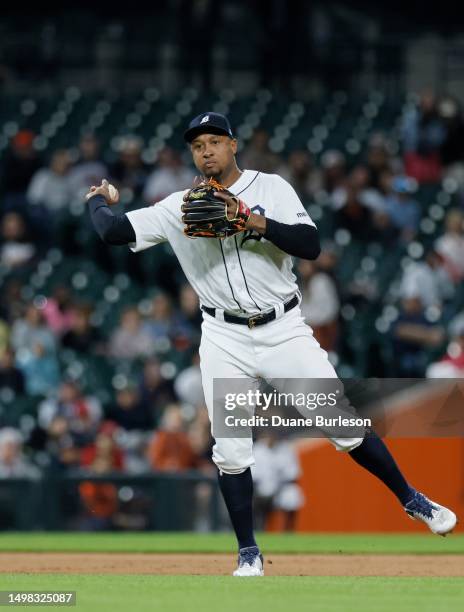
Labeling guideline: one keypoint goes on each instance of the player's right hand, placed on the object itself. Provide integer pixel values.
(108, 191)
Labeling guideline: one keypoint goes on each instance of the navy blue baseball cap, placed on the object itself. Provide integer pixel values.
(208, 123)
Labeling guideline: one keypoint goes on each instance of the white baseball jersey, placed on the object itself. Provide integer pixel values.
(242, 273)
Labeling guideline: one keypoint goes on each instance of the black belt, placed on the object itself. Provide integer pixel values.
(258, 319)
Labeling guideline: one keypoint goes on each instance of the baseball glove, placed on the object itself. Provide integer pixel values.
(207, 215)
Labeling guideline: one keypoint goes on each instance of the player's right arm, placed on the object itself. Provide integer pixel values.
(139, 229)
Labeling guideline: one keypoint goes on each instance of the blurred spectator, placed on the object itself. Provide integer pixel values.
(89, 169)
(130, 339)
(320, 305)
(166, 325)
(31, 329)
(103, 454)
(49, 187)
(100, 499)
(170, 175)
(186, 324)
(82, 336)
(451, 245)
(11, 301)
(35, 352)
(451, 364)
(190, 307)
(258, 156)
(188, 385)
(82, 413)
(427, 280)
(413, 336)
(130, 171)
(358, 181)
(199, 433)
(451, 152)
(170, 448)
(451, 115)
(11, 377)
(333, 165)
(385, 181)
(16, 248)
(423, 133)
(456, 326)
(133, 443)
(57, 310)
(130, 411)
(354, 216)
(302, 174)
(159, 326)
(378, 160)
(59, 444)
(20, 164)
(275, 476)
(369, 195)
(13, 463)
(402, 208)
(154, 390)
(383, 231)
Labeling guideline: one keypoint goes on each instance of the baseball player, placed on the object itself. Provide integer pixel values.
(246, 226)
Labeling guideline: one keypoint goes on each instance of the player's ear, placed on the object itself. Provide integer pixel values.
(233, 145)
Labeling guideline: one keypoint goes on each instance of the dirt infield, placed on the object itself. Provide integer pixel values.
(219, 564)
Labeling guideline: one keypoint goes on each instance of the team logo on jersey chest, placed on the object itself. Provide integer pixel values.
(251, 234)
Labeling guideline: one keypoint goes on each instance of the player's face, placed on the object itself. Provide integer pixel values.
(213, 154)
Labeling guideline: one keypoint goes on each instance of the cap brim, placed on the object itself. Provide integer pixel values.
(192, 133)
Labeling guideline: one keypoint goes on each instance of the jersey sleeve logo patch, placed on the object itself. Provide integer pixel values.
(302, 214)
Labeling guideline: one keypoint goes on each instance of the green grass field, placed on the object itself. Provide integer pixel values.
(224, 594)
(283, 594)
(179, 542)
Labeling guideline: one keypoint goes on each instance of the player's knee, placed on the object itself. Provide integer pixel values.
(233, 466)
(232, 471)
(232, 458)
(346, 445)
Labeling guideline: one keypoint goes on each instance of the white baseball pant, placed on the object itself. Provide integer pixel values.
(283, 348)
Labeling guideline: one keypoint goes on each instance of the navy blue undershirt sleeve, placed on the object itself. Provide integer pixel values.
(112, 229)
(299, 240)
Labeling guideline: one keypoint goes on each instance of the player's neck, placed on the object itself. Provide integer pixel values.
(230, 177)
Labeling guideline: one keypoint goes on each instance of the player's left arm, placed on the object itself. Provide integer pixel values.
(298, 240)
(293, 231)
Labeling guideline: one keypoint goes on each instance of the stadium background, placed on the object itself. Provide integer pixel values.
(101, 412)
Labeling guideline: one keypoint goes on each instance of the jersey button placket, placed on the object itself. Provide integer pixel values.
(236, 277)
